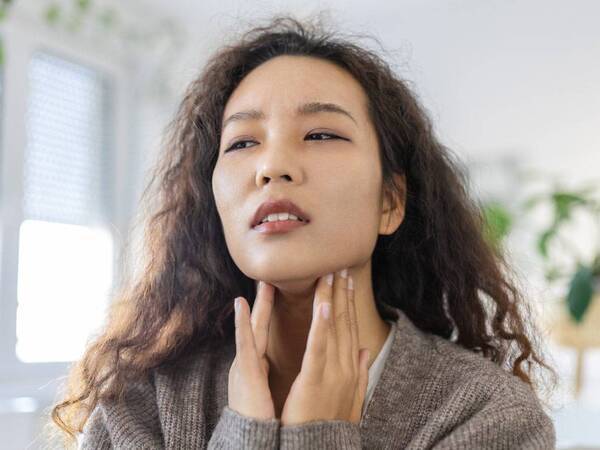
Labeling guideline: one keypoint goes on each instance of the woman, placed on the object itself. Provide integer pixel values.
(372, 313)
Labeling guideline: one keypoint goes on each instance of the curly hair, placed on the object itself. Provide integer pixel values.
(437, 267)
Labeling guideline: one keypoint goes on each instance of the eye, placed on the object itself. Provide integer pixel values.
(331, 136)
(234, 145)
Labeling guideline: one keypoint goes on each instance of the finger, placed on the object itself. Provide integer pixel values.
(261, 315)
(323, 293)
(341, 319)
(323, 331)
(360, 393)
(244, 340)
(353, 322)
(315, 357)
(363, 377)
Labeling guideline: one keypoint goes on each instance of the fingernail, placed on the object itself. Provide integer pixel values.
(350, 283)
(329, 279)
(325, 310)
(344, 273)
(236, 305)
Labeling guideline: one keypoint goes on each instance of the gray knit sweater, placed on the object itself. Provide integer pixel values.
(432, 394)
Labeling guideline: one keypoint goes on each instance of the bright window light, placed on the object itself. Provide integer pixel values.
(65, 268)
(65, 278)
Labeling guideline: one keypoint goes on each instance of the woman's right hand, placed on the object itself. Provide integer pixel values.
(249, 393)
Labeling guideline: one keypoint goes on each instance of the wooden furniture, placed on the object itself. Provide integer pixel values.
(580, 336)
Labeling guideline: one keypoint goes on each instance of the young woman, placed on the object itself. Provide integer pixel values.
(371, 312)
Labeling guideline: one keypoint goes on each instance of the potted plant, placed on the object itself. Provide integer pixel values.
(577, 324)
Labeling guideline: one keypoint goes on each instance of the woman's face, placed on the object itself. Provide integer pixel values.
(337, 181)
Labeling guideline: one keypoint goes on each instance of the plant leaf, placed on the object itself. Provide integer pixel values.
(596, 266)
(580, 293)
(83, 5)
(544, 239)
(564, 203)
(52, 14)
(497, 222)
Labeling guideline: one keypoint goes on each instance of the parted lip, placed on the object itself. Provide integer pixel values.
(278, 206)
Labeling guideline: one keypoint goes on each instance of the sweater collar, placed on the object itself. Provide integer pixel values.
(400, 373)
(402, 377)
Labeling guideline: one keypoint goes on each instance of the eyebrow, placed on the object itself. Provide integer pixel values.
(302, 110)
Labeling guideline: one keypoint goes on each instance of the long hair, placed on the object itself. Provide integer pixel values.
(437, 267)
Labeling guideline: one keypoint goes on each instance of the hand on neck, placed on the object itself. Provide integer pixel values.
(291, 322)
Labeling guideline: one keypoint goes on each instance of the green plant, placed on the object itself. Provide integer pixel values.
(53, 13)
(584, 275)
(138, 37)
(498, 222)
(81, 11)
(75, 15)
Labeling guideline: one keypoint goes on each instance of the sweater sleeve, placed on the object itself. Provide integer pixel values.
(130, 423)
(330, 434)
(235, 431)
(518, 427)
(102, 434)
(95, 435)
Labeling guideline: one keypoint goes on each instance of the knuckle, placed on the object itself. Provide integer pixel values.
(343, 316)
(352, 320)
(351, 302)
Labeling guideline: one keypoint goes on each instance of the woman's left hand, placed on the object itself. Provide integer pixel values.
(333, 379)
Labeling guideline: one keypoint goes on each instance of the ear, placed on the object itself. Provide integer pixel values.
(393, 207)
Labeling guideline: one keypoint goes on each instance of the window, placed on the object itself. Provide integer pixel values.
(65, 268)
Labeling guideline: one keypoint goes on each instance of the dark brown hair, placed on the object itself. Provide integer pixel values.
(437, 267)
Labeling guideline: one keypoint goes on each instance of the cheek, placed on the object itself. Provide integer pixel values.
(355, 194)
(225, 192)
(350, 208)
(225, 201)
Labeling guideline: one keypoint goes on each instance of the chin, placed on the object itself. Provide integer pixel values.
(291, 284)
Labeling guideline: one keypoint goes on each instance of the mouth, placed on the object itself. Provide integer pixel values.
(278, 215)
(279, 226)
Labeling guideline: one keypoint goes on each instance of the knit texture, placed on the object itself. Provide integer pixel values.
(432, 394)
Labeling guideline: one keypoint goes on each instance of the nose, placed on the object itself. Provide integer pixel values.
(267, 178)
(277, 165)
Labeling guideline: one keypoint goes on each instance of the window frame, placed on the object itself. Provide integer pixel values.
(21, 39)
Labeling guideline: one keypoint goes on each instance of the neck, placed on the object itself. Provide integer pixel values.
(291, 322)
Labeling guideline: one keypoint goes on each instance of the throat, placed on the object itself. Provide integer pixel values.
(280, 389)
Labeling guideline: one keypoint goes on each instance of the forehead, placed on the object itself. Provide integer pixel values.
(286, 81)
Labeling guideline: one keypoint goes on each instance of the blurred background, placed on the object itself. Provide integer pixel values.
(87, 88)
